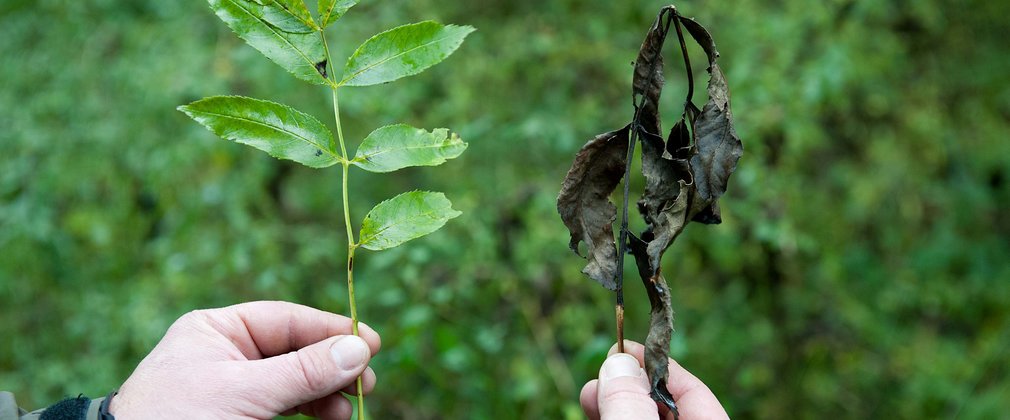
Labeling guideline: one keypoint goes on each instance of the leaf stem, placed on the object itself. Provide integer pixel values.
(622, 245)
(687, 60)
(632, 141)
(351, 245)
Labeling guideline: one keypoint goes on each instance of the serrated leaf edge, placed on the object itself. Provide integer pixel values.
(452, 214)
(359, 158)
(275, 31)
(357, 51)
(189, 112)
(311, 23)
(328, 18)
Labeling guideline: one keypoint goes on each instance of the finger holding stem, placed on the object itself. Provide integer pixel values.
(351, 244)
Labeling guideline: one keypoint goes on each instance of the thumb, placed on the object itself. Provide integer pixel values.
(312, 372)
(623, 391)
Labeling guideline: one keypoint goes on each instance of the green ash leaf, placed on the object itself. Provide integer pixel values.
(402, 51)
(279, 130)
(289, 15)
(274, 32)
(399, 146)
(404, 217)
(331, 10)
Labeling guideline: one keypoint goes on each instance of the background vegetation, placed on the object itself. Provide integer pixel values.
(861, 271)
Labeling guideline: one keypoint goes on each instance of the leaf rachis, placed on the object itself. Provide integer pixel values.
(623, 241)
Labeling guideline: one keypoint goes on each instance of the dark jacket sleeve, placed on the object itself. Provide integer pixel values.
(9, 409)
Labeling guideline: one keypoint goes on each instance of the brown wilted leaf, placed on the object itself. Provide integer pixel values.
(584, 202)
(718, 148)
(648, 77)
(657, 343)
(668, 187)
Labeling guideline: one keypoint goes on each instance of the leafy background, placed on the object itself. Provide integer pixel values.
(861, 269)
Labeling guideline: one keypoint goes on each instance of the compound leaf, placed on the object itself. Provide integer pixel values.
(276, 33)
(331, 10)
(399, 146)
(584, 202)
(279, 130)
(404, 217)
(402, 51)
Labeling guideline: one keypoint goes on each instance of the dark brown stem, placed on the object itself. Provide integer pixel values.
(687, 60)
(622, 245)
(632, 141)
(620, 328)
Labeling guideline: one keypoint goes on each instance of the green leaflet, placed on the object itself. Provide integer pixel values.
(279, 130)
(404, 217)
(271, 30)
(292, 15)
(402, 51)
(331, 10)
(398, 146)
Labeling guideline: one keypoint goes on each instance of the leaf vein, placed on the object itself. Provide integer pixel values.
(383, 61)
(278, 35)
(275, 128)
(400, 222)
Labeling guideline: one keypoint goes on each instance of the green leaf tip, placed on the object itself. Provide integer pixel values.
(331, 10)
(407, 216)
(282, 30)
(402, 51)
(288, 15)
(399, 146)
(281, 131)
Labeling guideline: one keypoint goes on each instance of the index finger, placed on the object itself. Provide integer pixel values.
(280, 327)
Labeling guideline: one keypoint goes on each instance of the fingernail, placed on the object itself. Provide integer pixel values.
(620, 365)
(349, 352)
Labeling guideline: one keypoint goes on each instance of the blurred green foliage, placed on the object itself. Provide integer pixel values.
(861, 271)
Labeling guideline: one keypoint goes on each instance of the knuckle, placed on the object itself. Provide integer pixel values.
(192, 317)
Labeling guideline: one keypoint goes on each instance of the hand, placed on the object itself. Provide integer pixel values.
(250, 361)
(622, 392)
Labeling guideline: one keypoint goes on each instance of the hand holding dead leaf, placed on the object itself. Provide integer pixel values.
(622, 391)
(685, 175)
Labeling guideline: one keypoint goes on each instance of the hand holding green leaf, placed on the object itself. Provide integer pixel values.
(285, 32)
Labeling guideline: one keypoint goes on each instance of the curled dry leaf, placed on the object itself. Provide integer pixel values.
(657, 343)
(668, 186)
(647, 81)
(584, 202)
(718, 148)
(668, 178)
